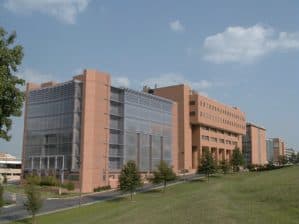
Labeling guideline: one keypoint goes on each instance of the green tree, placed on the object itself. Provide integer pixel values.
(293, 158)
(237, 159)
(34, 200)
(225, 166)
(282, 160)
(297, 160)
(1, 196)
(129, 178)
(163, 174)
(11, 97)
(208, 164)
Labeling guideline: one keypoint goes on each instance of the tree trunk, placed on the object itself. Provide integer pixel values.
(33, 218)
(164, 186)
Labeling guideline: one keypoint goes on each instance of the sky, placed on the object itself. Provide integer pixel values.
(241, 53)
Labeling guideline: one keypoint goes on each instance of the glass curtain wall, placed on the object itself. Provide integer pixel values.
(147, 129)
(53, 118)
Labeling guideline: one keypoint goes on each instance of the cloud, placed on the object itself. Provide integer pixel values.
(120, 82)
(32, 75)
(170, 79)
(64, 10)
(176, 26)
(246, 45)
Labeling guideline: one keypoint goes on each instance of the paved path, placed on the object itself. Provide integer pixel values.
(18, 212)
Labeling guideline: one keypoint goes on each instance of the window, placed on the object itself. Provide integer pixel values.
(204, 137)
(191, 103)
(227, 142)
(213, 139)
(205, 128)
(192, 113)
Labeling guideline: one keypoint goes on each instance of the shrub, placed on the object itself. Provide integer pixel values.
(163, 174)
(49, 181)
(70, 186)
(104, 188)
(225, 166)
(33, 179)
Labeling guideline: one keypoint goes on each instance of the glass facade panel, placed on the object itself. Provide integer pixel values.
(53, 127)
(148, 118)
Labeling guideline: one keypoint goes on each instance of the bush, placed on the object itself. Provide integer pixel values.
(49, 181)
(33, 179)
(70, 186)
(104, 188)
(225, 166)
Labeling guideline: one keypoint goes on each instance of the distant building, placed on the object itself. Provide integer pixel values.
(204, 125)
(275, 148)
(10, 166)
(254, 145)
(289, 152)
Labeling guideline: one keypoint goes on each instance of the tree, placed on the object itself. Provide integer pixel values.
(237, 159)
(129, 178)
(297, 160)
(225, 166)
(282, 160)
(11, 97)
(1, 196)
(293, 158)
(164, 173)
(208, 164)
(34, 200)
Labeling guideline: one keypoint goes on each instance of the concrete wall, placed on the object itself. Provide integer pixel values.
(180, 94)
(258, 145)
(95, 130)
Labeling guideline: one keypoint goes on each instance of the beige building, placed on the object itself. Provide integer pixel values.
(254, 145)
(275, 148)
(10, 166)
(204, 124)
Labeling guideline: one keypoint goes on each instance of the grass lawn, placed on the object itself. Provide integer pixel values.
(264, 197)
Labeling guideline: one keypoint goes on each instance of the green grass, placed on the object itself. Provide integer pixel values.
(265, 197)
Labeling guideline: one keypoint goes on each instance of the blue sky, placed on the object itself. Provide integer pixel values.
(243, 53)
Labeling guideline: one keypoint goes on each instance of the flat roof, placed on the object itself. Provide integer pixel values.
(254, 125)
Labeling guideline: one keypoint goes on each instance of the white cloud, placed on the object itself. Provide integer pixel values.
(31, 75)
(176, 26)
(245, 45)
(175, 79)
(64, 10)
(120, 82)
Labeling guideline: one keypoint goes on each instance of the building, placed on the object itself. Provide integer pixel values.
(10, 166)
(254, 145)
(289, 152)
(84, 130)
(275, 148)
(203, 124)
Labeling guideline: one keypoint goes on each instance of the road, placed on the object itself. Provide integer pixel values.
(18, 212)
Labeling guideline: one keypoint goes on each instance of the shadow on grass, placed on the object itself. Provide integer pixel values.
(120, 199)
(215, 176)
(198, 180)
(23, 221)
(154, 191)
